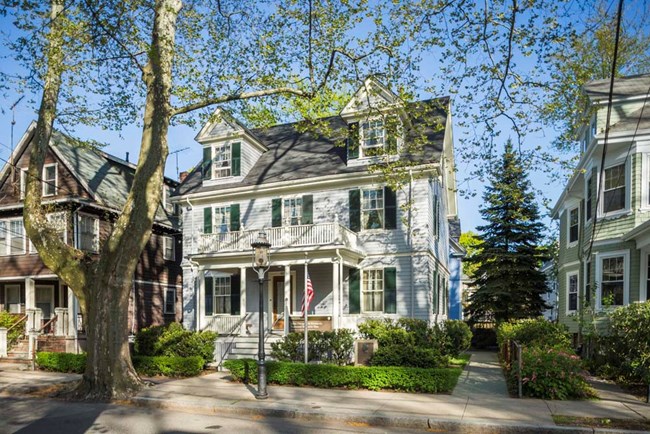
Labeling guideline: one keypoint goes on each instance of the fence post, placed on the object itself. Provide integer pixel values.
(3, 342)
(519, 368)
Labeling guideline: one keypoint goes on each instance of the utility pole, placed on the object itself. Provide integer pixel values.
(13, 122)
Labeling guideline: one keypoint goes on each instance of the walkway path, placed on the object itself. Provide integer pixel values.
(483, 376)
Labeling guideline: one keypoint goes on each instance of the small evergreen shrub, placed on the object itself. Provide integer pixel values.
(144, 365)
(416, 357)
(351, 377)
(173, 366)
(458, 337)
(534, 333)
(174, 341)
(61, 362)
(329, 347)
(551, 373)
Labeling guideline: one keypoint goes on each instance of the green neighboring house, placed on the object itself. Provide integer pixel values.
(613, 270)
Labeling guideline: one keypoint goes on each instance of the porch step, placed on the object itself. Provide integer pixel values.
(245, 347)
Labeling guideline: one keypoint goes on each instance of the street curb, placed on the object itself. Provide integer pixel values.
(387, 421)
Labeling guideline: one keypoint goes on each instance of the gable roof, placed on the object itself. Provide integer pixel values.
(105, 177)
(624, 87)
(296, 154)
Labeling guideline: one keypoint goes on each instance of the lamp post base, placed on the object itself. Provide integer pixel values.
(261, 380)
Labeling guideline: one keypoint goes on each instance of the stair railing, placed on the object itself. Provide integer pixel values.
(6, 341)
(230, 337)
(17, 337)
(270, 329)
(33, 337)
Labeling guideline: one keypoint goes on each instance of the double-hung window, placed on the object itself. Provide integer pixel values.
(572, 292)
(613, 281)
(221, 222)
(170, 300)
(293, 211)
(222, 295)
(574, 225)
(373, 291)
(169, 248)
(221, 161)
(87, 233)
(372, 209)
(59, 222)
(614, 192)
(12, 237)
(49, 180)
(13, 299)
(588, 201)
(373, 135)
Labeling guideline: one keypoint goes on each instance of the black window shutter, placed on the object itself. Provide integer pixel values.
(207, 163)
(353, 141)
(207, 220)
(234, 217)
(307, 209)
(235, 291)
(355, 210)
(355, 291)
(276, 213)
(390, 290)
(209, 296)
(390, 208)
(391, 134)
(236, 159)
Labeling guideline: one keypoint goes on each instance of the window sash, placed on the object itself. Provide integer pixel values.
(88, 233)
(293, 211)
(613, 280)
(222, 161)
(12, 237)
(574, 222)
(372, 209)
(573, 292)
(588, 201)
(614, 191)
(169, 248)
(373, 133)
(373, 291)
(222, 296)
(58, 221)
(49, 180)
(170, 300)
(221, 219)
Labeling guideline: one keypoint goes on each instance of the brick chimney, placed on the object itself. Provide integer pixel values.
(182, 176)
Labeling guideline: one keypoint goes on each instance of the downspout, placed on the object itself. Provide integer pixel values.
(340, 290)
(410, 242)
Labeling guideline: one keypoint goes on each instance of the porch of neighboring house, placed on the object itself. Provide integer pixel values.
(47, 312)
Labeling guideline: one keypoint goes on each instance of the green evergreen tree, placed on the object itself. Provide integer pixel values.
(508, 282)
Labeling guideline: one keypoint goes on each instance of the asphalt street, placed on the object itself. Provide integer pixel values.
(36, 415)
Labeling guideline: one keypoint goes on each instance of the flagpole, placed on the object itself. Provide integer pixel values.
(305, 308)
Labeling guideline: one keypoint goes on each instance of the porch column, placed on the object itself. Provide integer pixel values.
(30, 293)
(335, 295)
(60, 326)
(287, 298)
(72, 313)
(200, 300)
(242, 299)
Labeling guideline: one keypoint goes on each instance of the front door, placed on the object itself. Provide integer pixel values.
(45, 300)
(278, 302)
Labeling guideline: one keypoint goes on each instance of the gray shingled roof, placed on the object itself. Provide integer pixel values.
(109, 178)
(623, 87)
(294, 154)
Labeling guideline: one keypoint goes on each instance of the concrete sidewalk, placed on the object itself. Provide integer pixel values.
(479, 403)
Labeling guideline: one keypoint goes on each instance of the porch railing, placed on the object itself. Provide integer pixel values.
(223, 344)
(320, 234)
(7, 338)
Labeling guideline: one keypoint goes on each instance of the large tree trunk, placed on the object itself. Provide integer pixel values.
(109, 371)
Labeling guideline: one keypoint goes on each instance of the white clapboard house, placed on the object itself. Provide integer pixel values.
(310, 189)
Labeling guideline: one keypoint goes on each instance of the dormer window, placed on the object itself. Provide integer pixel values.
(373, 137)
(221, 160)
(373, 134)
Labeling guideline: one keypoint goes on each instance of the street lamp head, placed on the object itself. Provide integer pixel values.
(261, 251)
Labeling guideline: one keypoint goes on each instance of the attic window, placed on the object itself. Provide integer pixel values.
(221, 161)
(373, 134)
(49, 180)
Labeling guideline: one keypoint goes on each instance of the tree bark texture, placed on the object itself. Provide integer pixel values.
(103, 286)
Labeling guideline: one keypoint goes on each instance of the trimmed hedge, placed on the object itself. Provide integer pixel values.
(330, 347)
(535, 333)
(149, 366)
(174, 341)
(441, 380)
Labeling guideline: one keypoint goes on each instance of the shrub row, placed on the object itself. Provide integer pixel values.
(550, 368)
(7, 320)
(173, 341)
(144, 365)
(329, 347)
(352, 377)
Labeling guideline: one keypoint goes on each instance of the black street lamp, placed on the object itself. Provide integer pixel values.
(261, 263)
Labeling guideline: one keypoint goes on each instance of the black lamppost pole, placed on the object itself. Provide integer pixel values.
(261, 263)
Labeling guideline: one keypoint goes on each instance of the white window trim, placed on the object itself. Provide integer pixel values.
(626, 208)
(169, 239)
(377, 158)
(167, 289)
(56, 179)
(383, 209)
(96, 230)
(570, 274)
(216, 228)
(65, 226)
(645, 182)
(626, 277)
(214, 154)
(362, 291)
(570, 243)
(643, 287)
(285, 218)
(23, 183)
(362, 131)
(9, 232)
(587, 179)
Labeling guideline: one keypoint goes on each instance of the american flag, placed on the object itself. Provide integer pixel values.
(310, 295)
